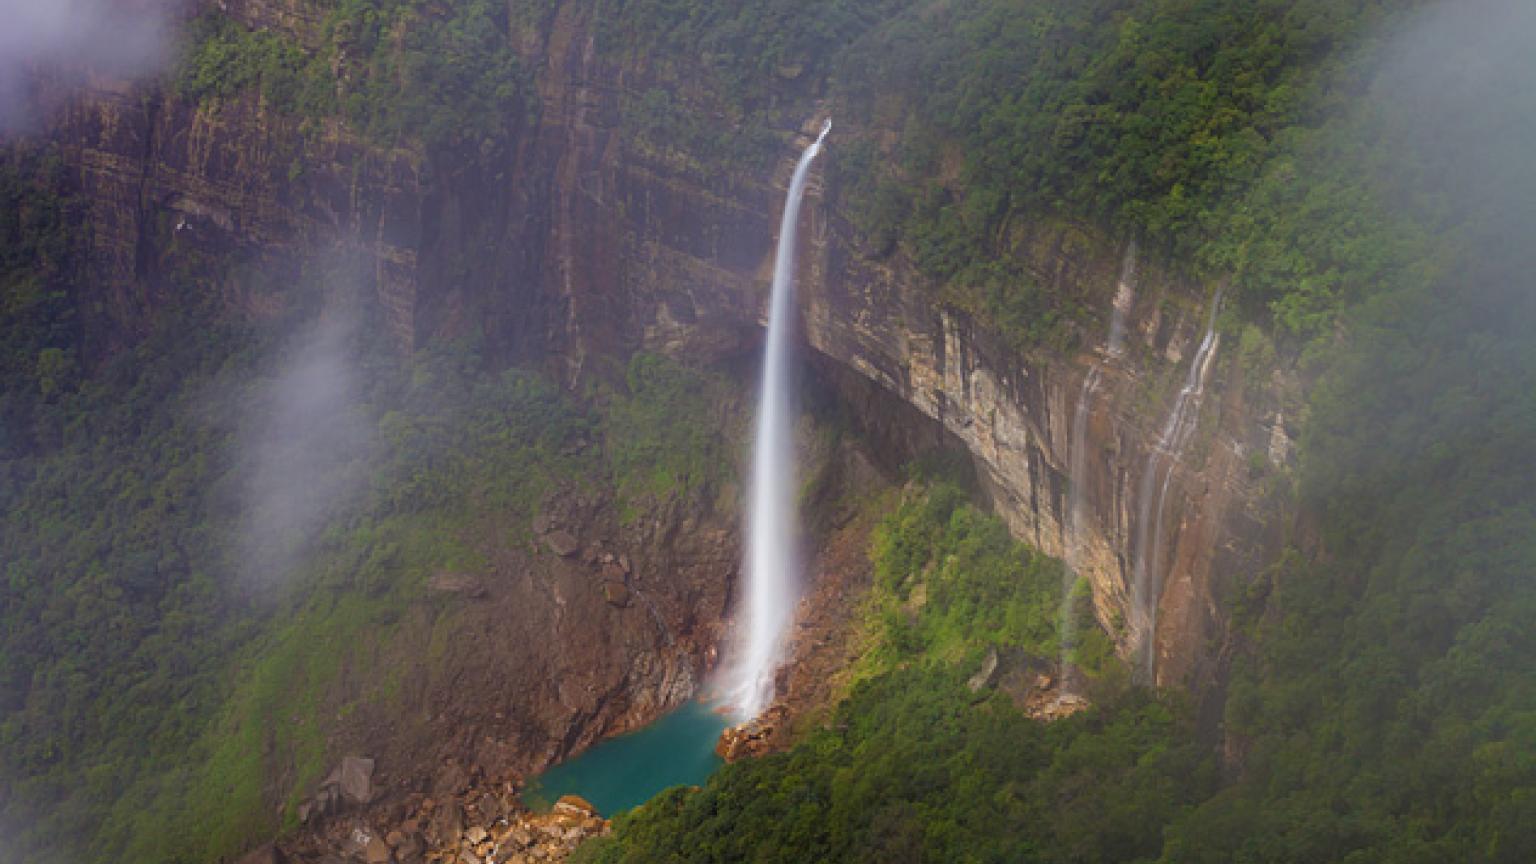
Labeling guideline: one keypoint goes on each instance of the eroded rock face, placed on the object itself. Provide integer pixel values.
(600, 249)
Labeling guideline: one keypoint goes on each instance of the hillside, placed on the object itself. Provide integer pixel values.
(377, 373)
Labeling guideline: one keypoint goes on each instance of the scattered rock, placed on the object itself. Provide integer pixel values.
(475, 835)
(461, 584)
(986, 675)
(267, 854)
(356, 775)
(410, 851)
(576, 805)
(448, 823)
(377, 852)
(451, 780)
(490, 807)
(616, 593)
(562, 543)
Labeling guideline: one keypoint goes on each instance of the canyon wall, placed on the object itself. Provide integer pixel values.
(567, 244)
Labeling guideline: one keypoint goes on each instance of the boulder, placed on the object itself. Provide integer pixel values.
(267, 854)
(411, 850)
(490, 807)
(356, 780)
(461, 584)
(377, 852)
(748, 739)
(575, 805)
(562, 543)
(616, 593)
(448, 823)
(986, 675)
(451, 780)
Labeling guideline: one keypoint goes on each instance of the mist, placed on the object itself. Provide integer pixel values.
(304, 449)
(69, 40)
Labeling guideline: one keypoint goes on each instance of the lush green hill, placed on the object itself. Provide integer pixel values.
(1360, 170)
(1356, 169)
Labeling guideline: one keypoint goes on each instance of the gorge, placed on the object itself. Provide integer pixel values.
(1120, 283)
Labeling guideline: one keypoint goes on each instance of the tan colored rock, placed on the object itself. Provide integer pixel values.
(576, 804)
(377, 852)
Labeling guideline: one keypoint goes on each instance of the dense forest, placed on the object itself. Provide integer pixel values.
(1357, 171)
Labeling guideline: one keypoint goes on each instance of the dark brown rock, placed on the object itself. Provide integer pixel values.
(268, 854)
(447, 823)
(562, 543)
(616, 593)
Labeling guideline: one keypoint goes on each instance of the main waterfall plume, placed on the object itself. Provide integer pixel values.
(771, 567)
(1146, 586)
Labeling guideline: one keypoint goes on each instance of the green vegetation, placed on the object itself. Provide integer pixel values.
(1382, 707)
(122, 612)
(152, 682)
(950, 583)
(662, 432)
(1212, 130)
(395, 70)
(721, 73)
(38, 359)
(914, 766)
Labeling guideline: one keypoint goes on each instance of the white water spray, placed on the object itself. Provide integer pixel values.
(1077, 470)
(771, 567)
(1146, 585)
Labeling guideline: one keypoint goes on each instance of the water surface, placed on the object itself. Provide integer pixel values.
(623, 772)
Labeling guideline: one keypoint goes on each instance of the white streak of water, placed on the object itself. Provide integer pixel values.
(771, 567)
(1147, 576)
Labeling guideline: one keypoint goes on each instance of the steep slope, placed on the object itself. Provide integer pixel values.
(609, 188)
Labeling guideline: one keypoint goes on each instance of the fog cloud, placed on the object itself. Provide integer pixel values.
(305, 446)
(67, 40)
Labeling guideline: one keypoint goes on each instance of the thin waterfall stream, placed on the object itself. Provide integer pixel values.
(1146, 584)
(772, 569)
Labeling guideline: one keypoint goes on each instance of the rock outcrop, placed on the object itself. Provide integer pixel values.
(602, 247)
(481, 823)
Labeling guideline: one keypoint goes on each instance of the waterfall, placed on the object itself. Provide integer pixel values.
(1077, 463)
(1146, 584)
(770, 567)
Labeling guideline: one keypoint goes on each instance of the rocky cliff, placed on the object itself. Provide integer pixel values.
(569, 245)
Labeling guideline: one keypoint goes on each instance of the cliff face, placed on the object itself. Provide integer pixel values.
(568, 245)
